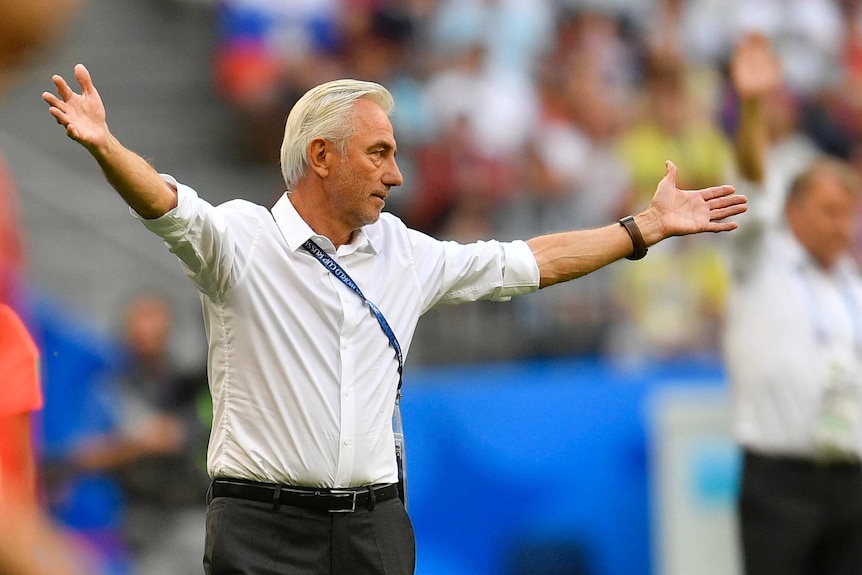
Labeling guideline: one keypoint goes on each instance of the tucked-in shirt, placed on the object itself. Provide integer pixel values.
(302, 376)
(790, 325)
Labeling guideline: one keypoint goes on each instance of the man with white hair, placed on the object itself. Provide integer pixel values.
(310, 308)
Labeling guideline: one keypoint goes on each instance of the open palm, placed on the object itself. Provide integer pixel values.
(684, 212)
(83, 115)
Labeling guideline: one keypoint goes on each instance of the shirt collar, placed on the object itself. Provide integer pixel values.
(296, 231)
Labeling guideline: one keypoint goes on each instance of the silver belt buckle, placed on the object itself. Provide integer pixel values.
(344, 493)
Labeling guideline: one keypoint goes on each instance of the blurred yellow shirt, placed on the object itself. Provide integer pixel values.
(701, 152)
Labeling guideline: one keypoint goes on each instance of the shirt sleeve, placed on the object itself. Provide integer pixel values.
(198, 234)
(20, 390)
(450, 272)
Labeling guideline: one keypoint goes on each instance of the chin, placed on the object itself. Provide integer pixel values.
(371, 219)
(374, 214)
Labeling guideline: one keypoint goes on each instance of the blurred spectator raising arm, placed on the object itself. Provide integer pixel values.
(793, 350)
(756, 73)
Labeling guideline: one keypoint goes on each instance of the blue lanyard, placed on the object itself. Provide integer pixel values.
(342, 275)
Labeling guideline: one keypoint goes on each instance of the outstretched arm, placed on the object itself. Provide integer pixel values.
(671, 212)
(756, 72)
(83, 116)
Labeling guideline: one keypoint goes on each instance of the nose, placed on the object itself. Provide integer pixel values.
(392, 177)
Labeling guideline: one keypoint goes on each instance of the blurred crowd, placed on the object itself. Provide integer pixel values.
(517, 118)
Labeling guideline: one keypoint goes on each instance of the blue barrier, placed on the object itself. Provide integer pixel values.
(535, 467)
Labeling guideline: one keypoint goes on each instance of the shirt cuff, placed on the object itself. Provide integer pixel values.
(521, 272)
(176, 219)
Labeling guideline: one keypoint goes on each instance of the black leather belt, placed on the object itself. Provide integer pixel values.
(322, 499)
(851, 465)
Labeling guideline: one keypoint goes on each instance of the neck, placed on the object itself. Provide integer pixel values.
(826, 264)
(319, 221)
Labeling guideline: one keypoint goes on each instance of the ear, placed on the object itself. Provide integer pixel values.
(320, 156)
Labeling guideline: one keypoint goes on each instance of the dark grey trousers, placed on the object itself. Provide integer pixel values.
(800, 518)
(252, 538)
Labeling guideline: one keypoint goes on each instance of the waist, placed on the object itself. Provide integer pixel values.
(331, 500)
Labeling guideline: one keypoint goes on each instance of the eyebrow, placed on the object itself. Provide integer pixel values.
(383, 144)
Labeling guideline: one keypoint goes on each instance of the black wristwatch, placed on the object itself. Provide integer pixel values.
(639, 248)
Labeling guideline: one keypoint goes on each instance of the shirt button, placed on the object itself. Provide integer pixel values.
(347, 393)
(348, 441)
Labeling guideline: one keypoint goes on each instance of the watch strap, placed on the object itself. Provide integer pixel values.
(639, 249)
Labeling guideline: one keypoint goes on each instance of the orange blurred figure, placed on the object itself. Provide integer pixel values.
(29, 543)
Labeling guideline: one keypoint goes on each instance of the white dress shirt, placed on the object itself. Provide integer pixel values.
(789, 323)
(302, 376)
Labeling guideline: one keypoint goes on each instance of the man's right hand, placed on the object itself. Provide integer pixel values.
(83, 115)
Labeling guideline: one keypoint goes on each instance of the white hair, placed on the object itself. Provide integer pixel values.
(325, 111)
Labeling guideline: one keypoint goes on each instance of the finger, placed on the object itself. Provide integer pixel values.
(720, 214)
(82, 75)
(62, 87)
(51, 99)
(670, 172)
(733, 208)
(721, 226)
(724, 201)
(717, 192)
(59, 115)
